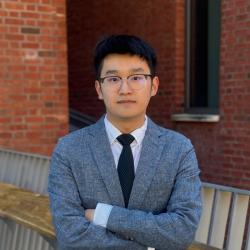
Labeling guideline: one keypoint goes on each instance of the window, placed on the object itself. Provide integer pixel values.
(202, 56)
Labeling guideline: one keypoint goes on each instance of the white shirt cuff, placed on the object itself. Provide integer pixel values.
(101, 214)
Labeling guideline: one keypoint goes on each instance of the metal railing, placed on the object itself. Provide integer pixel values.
(28, 171)
(223, 223)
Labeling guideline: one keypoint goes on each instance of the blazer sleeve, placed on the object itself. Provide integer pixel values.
(173, 229)
(73, 231)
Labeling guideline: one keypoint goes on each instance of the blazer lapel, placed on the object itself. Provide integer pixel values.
(103, 156)
(150, 155)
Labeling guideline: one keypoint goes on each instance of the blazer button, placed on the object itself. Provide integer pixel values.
(131, 238)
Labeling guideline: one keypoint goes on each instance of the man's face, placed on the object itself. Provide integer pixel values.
(125, 103)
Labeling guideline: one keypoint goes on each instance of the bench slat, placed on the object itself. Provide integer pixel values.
(238, 217)
(219, 218)
(248, 237)
(203, 229)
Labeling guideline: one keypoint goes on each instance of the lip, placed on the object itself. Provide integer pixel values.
(126, 101)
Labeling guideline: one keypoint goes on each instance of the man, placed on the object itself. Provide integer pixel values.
(124, 182)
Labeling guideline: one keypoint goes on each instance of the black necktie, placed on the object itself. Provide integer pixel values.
(125, 166)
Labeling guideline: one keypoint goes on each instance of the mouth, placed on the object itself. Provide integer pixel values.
(126, 101)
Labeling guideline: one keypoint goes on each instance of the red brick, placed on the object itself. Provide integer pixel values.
(34, 119)
(14, 37)
(14, 14)
(33, 15)
(46, 8)
(31, 1)
(5, 135)
(30, 7)
(30, 22)
(30, 45)
(13, 5)
(5, 119)
(21, 105)
(14, 21)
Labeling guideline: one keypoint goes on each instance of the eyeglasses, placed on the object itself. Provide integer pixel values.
(135, 82)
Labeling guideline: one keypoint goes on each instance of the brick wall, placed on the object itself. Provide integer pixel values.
(157, 21)
(33, 74)
(223, 148)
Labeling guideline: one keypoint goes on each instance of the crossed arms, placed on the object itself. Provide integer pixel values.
(172, 229)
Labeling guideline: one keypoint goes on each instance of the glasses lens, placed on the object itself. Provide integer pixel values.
(112, 80)
(137, 81)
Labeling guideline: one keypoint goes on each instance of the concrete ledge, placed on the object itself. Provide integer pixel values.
(195, 117)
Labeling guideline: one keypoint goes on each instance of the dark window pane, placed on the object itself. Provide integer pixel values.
(203, 43)
(198, 43)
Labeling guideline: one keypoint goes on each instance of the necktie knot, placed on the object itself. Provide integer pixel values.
(125, 139)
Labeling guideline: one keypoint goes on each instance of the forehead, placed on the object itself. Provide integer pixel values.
(124, 63)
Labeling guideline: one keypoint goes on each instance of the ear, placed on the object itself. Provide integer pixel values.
(98, 90)
(155, 85)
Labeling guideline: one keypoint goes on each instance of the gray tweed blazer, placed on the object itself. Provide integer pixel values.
(165, 202)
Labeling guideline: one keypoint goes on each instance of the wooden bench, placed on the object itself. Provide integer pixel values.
(224, 221)
(32, 210)
(27, 208)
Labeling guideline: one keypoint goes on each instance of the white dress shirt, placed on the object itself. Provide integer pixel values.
(116, 147)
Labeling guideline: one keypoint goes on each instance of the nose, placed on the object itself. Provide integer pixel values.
(125, 88)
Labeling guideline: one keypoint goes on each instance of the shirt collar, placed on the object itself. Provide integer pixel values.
(113, 132)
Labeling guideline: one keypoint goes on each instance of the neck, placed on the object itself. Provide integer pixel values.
(127, 126)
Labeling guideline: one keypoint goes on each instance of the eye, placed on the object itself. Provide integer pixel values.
(113, 79)
(137, 78)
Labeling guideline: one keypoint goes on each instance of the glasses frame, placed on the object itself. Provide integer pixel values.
(101, 79)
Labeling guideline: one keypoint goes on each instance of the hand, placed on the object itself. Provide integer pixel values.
(89, 214)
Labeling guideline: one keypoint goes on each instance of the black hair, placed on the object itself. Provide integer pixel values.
(124, 44)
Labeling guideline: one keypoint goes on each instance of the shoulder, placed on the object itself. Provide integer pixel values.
(175, 136)
(169, 136)
(173, 143)
(74, 137)
(178, 148)
(78, 139)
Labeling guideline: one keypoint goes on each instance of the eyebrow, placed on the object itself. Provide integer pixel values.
(111, 72)
(134, 70)
(137, 70)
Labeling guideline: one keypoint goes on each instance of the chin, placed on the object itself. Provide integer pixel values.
(130, 116)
